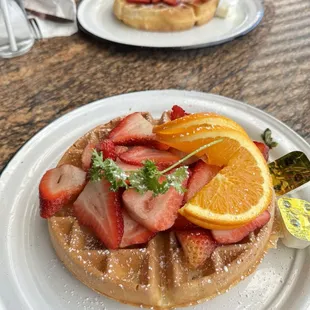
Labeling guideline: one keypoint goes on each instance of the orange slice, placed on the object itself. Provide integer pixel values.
(195, 137)
(240, 191)
(196, 120)
(208, 225)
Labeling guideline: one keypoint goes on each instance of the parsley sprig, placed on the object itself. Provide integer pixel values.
(109, 170)
(148, 178)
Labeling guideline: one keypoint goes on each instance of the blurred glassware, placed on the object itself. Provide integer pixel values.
(16, 37)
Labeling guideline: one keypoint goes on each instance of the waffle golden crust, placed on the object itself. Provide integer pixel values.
(156, 275)
(162, 17)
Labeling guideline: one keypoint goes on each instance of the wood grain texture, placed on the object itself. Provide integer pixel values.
(268, 68)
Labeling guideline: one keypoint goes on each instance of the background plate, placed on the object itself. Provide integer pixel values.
(33, 278)
(96, 17)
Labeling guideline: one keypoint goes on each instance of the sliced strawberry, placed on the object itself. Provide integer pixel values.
(171, 2)
(134, 233)
(202, 174)
(237, 234)
(155, 213)
(87, 156)
(107, 148)
(140, 1)
(98, 208)
(181, 223)
(176, 111)
(138, 154)
(134, 129)
(120, 149)
(59, 187)
(159, 146)
(263, 148)
(197, 244)
(127, 167)
(156, 1)
(181, 154)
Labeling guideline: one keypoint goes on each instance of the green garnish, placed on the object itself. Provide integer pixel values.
(266, 136)
(107, 169)
(148, 178)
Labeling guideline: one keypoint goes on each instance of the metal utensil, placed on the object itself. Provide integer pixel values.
(35, 28)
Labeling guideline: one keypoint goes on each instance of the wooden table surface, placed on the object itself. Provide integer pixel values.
(268, 68)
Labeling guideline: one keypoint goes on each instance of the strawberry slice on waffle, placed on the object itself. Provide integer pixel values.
(138, 154)
(134, 129)
(120, 149)
(197, 244)
(202, 174)
(237, 234)
(134, 233)
(99, 208)
(107, 147)
(155, 213)
(263, 148)
(59, 187)
(87, 156)
(176, 111)
(182, 223)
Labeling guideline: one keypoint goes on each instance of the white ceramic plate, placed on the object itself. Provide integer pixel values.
(31, 276)
(96, 17)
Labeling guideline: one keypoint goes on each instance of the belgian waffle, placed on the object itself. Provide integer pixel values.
(155, 275)
(162, 17)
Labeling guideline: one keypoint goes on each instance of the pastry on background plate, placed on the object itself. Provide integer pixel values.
(161, 213)
(165, 15)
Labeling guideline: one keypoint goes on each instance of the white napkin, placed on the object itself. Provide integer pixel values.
(55, 18)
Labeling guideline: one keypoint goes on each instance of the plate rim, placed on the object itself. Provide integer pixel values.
(200, 94)
(259, 16)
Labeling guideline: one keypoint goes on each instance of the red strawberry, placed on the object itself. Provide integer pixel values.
(134, 233)
(171, 2)
(140, 1)
(59, 187)
(181, 223)
(120, 149)
(181, 154)
(237, 234)
(202, 174)
(127, 167)
(197, 244)
(176, 111)
(155, 213)
(263, 148)
(138, 154)
(107, 148)
(159, 146)
(98, 208)
(87, 156)
(132, 130)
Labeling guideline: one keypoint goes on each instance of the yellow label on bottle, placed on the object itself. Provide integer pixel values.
(296, 216)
